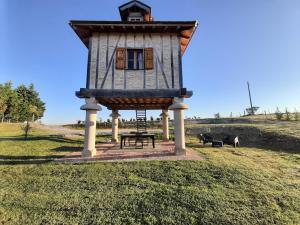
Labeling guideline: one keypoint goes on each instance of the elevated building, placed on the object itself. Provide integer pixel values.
(135, 63)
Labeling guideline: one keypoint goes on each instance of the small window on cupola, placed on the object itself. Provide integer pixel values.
(135, 17)
(135, 11)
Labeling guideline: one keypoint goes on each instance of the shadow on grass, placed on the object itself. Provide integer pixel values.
(55, 138)
(26, 159)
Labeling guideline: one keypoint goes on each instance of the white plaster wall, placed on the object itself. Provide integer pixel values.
(134, 79)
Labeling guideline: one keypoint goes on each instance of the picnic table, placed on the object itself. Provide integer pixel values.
(137, 136)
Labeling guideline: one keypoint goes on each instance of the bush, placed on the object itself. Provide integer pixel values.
(287, 114)
(296, 115)
(278, 114)
(26, 128)
(217, 116)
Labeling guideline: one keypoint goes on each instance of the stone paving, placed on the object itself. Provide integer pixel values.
(112, 152)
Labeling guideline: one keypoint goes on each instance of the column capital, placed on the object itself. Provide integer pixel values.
(115, 114)
(91, 104)
(164, 113)
(178, 104)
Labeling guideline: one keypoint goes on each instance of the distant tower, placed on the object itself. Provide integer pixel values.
(135, 63)
(252, 109)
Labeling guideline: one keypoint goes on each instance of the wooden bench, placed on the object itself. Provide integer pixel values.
(139, 137)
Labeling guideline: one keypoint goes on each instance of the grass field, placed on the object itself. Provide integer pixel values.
(231, 186)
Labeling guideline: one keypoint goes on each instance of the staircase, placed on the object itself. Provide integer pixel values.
(141, 120)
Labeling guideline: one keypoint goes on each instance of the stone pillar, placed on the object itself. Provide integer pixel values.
(91, 109)
(115, 128)
(165, 123)
(178, 106)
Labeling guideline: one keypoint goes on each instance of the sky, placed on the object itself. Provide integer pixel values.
(236, 41)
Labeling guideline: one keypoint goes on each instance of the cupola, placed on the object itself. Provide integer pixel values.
(135, 11)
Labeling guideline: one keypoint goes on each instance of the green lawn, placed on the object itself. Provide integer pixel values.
(41, 145)
(231, 186)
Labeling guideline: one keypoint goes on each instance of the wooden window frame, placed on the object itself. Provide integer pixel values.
(123, 63)
(135, 58)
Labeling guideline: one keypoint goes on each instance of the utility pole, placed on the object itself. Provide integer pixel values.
(252, 111)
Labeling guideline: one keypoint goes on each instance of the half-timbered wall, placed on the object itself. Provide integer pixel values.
(102, 72)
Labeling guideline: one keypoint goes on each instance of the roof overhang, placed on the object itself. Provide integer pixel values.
(184, 29)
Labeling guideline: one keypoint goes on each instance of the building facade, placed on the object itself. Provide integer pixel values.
(135, 63)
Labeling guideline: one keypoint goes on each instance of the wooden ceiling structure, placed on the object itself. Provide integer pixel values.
(135, 103)
(134, 99)
(184, 29)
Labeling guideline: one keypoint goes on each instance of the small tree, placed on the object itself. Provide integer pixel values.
(26, 128)
(265, 114)
(278, 114)
(296, 114)
(287, 114)
(217, 116)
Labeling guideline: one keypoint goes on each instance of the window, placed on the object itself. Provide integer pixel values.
(135, 19)
(135, 59)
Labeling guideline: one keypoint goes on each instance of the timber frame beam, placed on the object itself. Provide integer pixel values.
(145, 93)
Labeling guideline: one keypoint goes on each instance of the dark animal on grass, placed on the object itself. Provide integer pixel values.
(231, 140)
(205, 138)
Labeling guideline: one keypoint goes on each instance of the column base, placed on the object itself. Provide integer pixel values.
(88, 152)
(115, 141)
(180, 151)
(166, 139)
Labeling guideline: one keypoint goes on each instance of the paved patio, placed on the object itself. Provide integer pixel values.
(112, 152)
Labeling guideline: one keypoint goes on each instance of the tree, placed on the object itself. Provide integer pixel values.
(3, 108)
(20, 104)
(287, 114)
(297, 116)
(33, 111)
(26, 128)
(9, 100)
(278, 114)
(217, 116)
(30, 105)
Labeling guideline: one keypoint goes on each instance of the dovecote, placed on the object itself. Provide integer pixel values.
(134, 55)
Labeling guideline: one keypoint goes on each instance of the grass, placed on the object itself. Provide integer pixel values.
(40, 145)
(231, 186)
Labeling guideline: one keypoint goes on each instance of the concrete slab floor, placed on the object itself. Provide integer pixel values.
(110, 152)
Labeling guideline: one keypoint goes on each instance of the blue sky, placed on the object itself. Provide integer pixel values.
(236, 41)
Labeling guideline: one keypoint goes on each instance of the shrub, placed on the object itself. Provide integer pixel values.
(287, 114)
(217, 116)
(26, 128)
(296, 115)
(278, 114)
